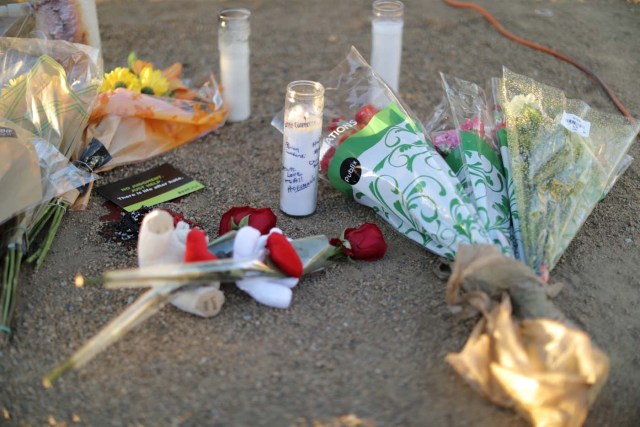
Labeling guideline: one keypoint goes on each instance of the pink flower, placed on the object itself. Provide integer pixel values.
(474, 124)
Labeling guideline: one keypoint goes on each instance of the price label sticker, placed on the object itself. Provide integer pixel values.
(575, 124)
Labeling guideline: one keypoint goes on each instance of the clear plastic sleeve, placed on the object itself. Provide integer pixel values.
(563, 156)
(479, 151)
(47, 90)
(441, 130)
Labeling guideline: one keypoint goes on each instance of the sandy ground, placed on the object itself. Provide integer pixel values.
(366, 339)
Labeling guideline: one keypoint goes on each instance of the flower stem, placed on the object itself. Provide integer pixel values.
(55, 226)
(40, 222)
(10, 273)
(53, 215)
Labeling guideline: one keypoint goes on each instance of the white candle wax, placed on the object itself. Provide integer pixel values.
(386, 49)
(234, 73)
(300, 158)
(233, 43)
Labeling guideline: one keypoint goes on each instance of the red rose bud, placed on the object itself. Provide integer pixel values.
(326, 160)
(197, 249)
(262, 219)
(474, 124)
(365, 242)
(365, 114)
(283, 255)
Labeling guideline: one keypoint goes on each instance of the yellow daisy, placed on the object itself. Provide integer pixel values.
(12, 82)
(120, 77)
(153, 82)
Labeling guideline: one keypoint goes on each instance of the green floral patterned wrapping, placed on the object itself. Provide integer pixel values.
(481, 158)
(374, 151)
(563, 155)
(390, 166)
(441, 130)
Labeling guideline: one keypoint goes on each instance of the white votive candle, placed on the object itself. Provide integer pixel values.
(386, 40)
(301, 147)
(233, 44)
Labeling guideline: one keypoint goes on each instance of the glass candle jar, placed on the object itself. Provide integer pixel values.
(233, 44)
(304, 104)
(386, 40)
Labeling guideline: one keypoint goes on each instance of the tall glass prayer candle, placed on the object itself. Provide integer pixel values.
(90, 17)
(303, 107)
(386, 40)
(233, 44)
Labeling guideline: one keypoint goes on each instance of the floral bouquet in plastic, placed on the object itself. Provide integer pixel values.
(47, 89)
(479, 153)
(375, 151)
(142, 112)
(563, 157)
(559, 157)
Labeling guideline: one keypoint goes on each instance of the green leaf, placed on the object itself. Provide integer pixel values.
(131, 59)
(244, 221)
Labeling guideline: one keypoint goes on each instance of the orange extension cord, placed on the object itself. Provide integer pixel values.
(536, 46)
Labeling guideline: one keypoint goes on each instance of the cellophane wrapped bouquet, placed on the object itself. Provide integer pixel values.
(142, 112)
(47, 90)
(375, 151)
(563, 156)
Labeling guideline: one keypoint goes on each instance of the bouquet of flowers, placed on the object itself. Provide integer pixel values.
(560, 157)
(481, 157)
(142, 112)
(541, 172)
(47, 89)
(375, 151)
(563, 156)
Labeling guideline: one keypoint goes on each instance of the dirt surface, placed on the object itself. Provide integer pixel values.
(367, 339)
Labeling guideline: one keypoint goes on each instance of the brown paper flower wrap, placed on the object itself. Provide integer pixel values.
(548, 370)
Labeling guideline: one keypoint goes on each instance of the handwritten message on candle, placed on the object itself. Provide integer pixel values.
(300, 160)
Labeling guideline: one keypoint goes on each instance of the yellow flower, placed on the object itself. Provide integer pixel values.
(153, 82)
(12, 83)
(120, 77)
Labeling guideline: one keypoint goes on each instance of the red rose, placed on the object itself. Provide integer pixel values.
(365, 242)
(365, 114)
(238, 216)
